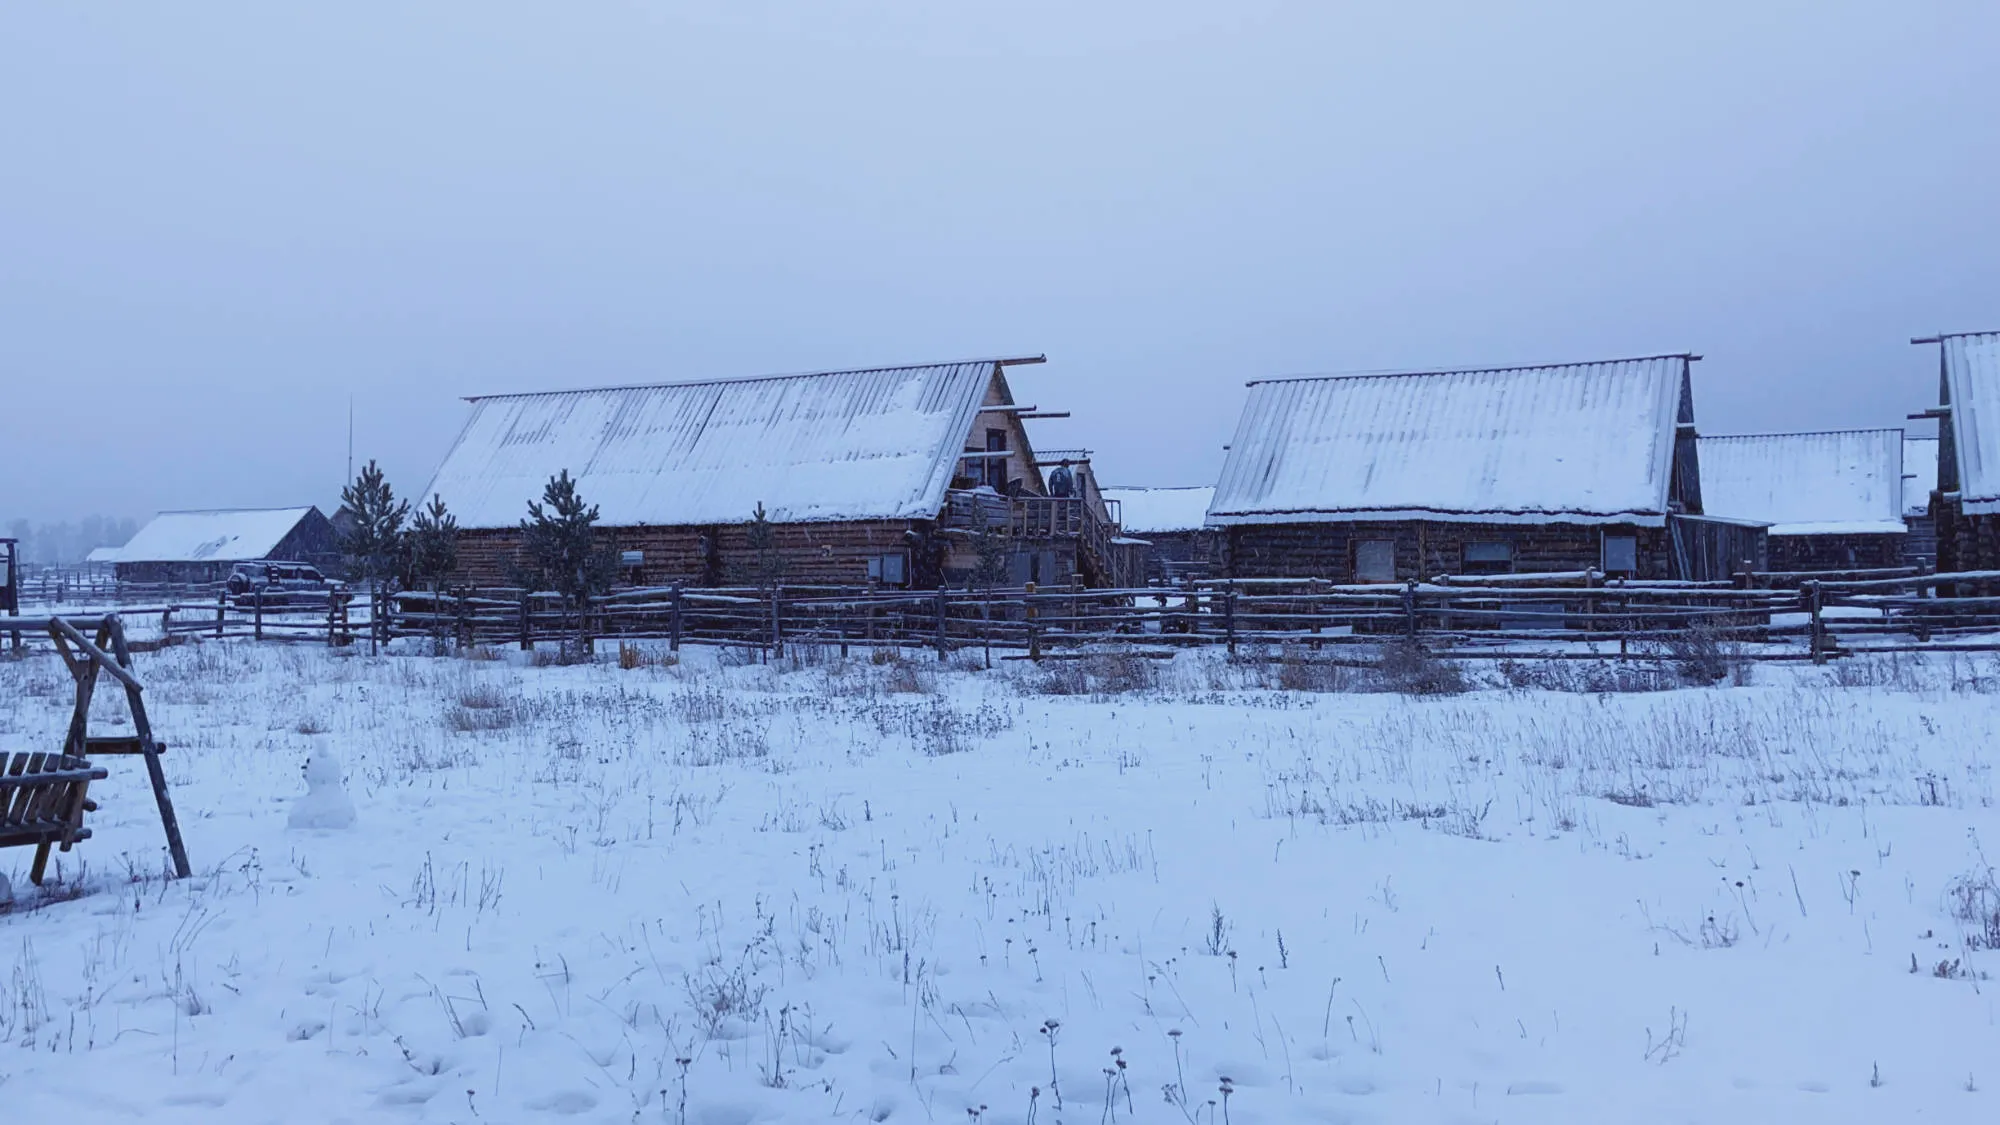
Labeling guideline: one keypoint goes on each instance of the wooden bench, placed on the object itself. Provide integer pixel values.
(42, 801)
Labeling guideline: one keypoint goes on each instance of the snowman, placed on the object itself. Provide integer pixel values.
(325, 803)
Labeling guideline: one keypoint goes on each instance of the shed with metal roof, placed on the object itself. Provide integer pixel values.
(859, 471)
(201, 546)
(1834, 498)
(1386, 477)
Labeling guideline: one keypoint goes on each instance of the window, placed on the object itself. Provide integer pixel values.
(631, 559)
(889, 570)
(1488, 558)
(1621, 554)
(1375, 560)
(996, 467)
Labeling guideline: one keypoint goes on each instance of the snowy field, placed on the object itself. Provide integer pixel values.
(822, 891)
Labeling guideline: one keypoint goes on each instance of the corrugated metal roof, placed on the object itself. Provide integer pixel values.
(221, 535)
(1920, 474)
(1584, 442)
(1972, 375)
(1145, 511)
(834, 445)
(1839, 482)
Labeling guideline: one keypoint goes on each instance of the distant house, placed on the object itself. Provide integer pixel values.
(1966, 505)
(202, 546)
(1171, 525)
(1834, 499)
(1920, 480)
(1383, 478)
(897, 475)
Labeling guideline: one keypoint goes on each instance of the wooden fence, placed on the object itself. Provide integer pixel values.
(1547, 615)
(1576, 615)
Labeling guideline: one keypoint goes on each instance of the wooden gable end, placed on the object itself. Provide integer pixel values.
(1684, 478)
(1019, 464)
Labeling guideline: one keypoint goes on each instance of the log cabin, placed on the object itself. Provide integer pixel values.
(1389, 478)
(1965, 506)
(195, 547)
(1169, 527)
(1834, 499)
(889, 476)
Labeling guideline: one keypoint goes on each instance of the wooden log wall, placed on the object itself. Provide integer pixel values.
(1835, 552)
(1430, 547)
(813, 553)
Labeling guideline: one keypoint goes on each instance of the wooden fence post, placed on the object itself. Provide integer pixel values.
(940, 625)
(527, 628)
(1034, 633)
(257, 614)
(1816, 634)
(221, 607)
(674, 622)
(1410, 608)
(777, 627)
(1229, 615)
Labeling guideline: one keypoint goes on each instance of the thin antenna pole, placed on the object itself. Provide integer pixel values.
(350, 435)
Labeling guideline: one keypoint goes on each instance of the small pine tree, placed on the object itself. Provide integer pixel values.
(991, 550)
(374, 542)
(767, 563)
(433, 544)
(560, 542)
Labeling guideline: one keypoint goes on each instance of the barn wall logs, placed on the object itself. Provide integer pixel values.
(1430, 547)
(834, 553)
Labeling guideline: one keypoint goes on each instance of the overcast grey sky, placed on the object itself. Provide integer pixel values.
(218, 220)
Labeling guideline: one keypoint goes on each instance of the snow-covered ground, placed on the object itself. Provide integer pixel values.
(858, 892)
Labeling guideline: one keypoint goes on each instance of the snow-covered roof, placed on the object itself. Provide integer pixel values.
(225, 535)
(1839, 482)
(879, 443)
(1144, 511)
(1972, 379)
(1920, 474)
(102, 555)
(1582, 443)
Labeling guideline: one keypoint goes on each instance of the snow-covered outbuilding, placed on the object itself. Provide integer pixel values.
(1170, 527)
(881, 474)
(1967, 509)
(1920, 480)
(201, 546)
(1834, 499)
(1548, 468)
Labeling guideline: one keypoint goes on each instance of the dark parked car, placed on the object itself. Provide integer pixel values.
(283, 584)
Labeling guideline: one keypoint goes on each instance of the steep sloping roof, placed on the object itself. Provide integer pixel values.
(1972, 378)
(833, 445)
(224, 535)
(1584, 442)
(1841, 482)
(1920, 474)
(102, 555)
(1145, 511)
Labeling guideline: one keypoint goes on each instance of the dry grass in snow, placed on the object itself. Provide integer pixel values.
(720, 892)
